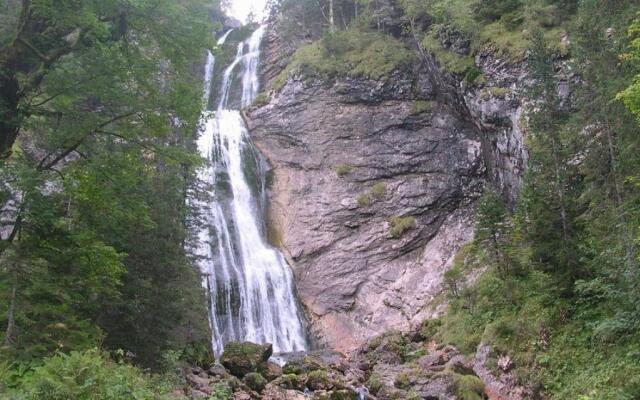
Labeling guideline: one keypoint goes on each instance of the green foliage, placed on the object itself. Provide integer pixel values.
(400, 225)
(468, 387)
(378, 191)
(474, 75)
(563, 314)
(261, 99)
(429, 328)
(343, 169)
(631, 95)
(450, 61)
(255, 381)
(351, 52)
(99, 171)
(374, 383)
(364, 200)
(87, 375)
(402, 380)
(221, 391)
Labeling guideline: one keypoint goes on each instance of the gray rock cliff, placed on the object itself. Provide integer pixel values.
(349, 158)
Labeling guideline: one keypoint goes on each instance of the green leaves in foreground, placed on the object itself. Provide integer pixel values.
(88, 375)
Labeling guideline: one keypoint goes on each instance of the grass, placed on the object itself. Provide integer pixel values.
(400, 225)
(468, 387)
(262, 99)
(364, 200)
(402, 380)
(450, 61)
(377, 192)
(551, 341)
(343, 169)
(349, 52)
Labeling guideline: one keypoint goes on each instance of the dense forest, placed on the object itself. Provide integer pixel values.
(101, 102)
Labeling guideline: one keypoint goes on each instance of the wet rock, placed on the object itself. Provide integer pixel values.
(242, 358)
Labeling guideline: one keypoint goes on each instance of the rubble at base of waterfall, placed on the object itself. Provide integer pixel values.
(390, 366)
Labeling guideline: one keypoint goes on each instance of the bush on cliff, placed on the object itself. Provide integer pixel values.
(351, 52)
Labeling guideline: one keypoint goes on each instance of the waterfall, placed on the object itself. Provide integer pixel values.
(249, 282)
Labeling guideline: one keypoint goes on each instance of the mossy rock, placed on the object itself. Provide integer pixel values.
(291, 382)
(391, 348)
(319, 380)
(255, 381)
(468, 387)
(242, 358)
(342, 394)
(302, 366)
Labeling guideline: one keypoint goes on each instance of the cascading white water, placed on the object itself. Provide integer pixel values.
(250, 283)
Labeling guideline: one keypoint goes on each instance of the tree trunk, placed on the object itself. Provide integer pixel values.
(332, 25)
(9, 121)
(8, 335)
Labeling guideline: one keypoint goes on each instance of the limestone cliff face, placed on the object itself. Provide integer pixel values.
(332, 144)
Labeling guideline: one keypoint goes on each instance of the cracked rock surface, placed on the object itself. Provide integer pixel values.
(349, 158)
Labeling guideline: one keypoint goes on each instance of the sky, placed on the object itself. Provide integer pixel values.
(241, 9)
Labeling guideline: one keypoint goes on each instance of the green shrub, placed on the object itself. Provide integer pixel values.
(378, 191)
(468, 387)
(221, 391)
(374, 383)
(450, 61)
(364, 200)
(343, 169)
(429, 328)
(350, 52)
(474, 73)
(261, 99)
(400, 225)
(402, 380)
(88, 375)
(255, 381)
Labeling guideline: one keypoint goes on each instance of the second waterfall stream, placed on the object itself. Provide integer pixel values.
(249, 282)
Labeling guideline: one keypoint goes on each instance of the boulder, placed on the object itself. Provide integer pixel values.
(255, 381)
(242, 358)
(272, 371)
(273, 392)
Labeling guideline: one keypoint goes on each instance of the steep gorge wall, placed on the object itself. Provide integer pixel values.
(430, 143)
